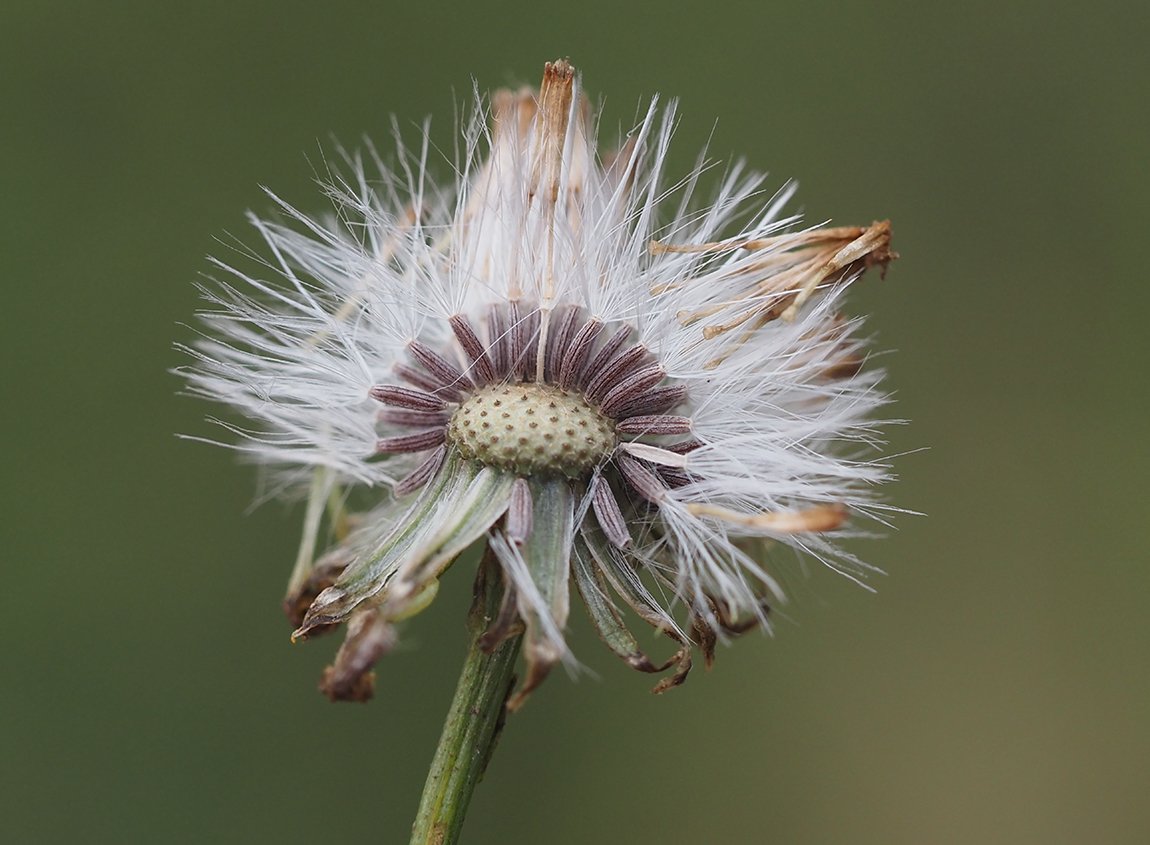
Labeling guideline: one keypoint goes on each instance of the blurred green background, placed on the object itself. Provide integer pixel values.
(996, 687)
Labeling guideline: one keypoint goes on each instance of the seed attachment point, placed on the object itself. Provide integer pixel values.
(542, 430)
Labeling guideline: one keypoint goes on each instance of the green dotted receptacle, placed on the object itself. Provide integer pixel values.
(532, 428)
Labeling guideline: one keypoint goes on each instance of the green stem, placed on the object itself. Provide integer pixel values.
(473, 723)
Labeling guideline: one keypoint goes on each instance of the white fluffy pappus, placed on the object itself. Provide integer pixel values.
(568, 355)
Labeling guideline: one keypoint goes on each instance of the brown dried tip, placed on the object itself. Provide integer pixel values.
(361, 688)
(682, 662)
(881, 253)
(558, 80)
(539, 665)
(555, 95)
(349, 678)
(325, 573)
(870, 248)
(792, 268)
(706, 637)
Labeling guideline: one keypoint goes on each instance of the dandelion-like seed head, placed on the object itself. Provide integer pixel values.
(619, 388)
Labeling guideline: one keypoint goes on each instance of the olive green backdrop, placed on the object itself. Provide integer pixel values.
(995, 687)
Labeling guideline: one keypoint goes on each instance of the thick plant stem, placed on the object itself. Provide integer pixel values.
(473, 723)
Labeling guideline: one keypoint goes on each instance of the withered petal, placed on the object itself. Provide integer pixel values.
(349, 678)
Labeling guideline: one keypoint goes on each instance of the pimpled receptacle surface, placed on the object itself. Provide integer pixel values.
(532, 428)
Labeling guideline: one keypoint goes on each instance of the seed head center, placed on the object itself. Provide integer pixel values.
(532, 428)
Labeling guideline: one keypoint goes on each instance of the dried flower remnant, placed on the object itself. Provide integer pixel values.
(561, 354)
